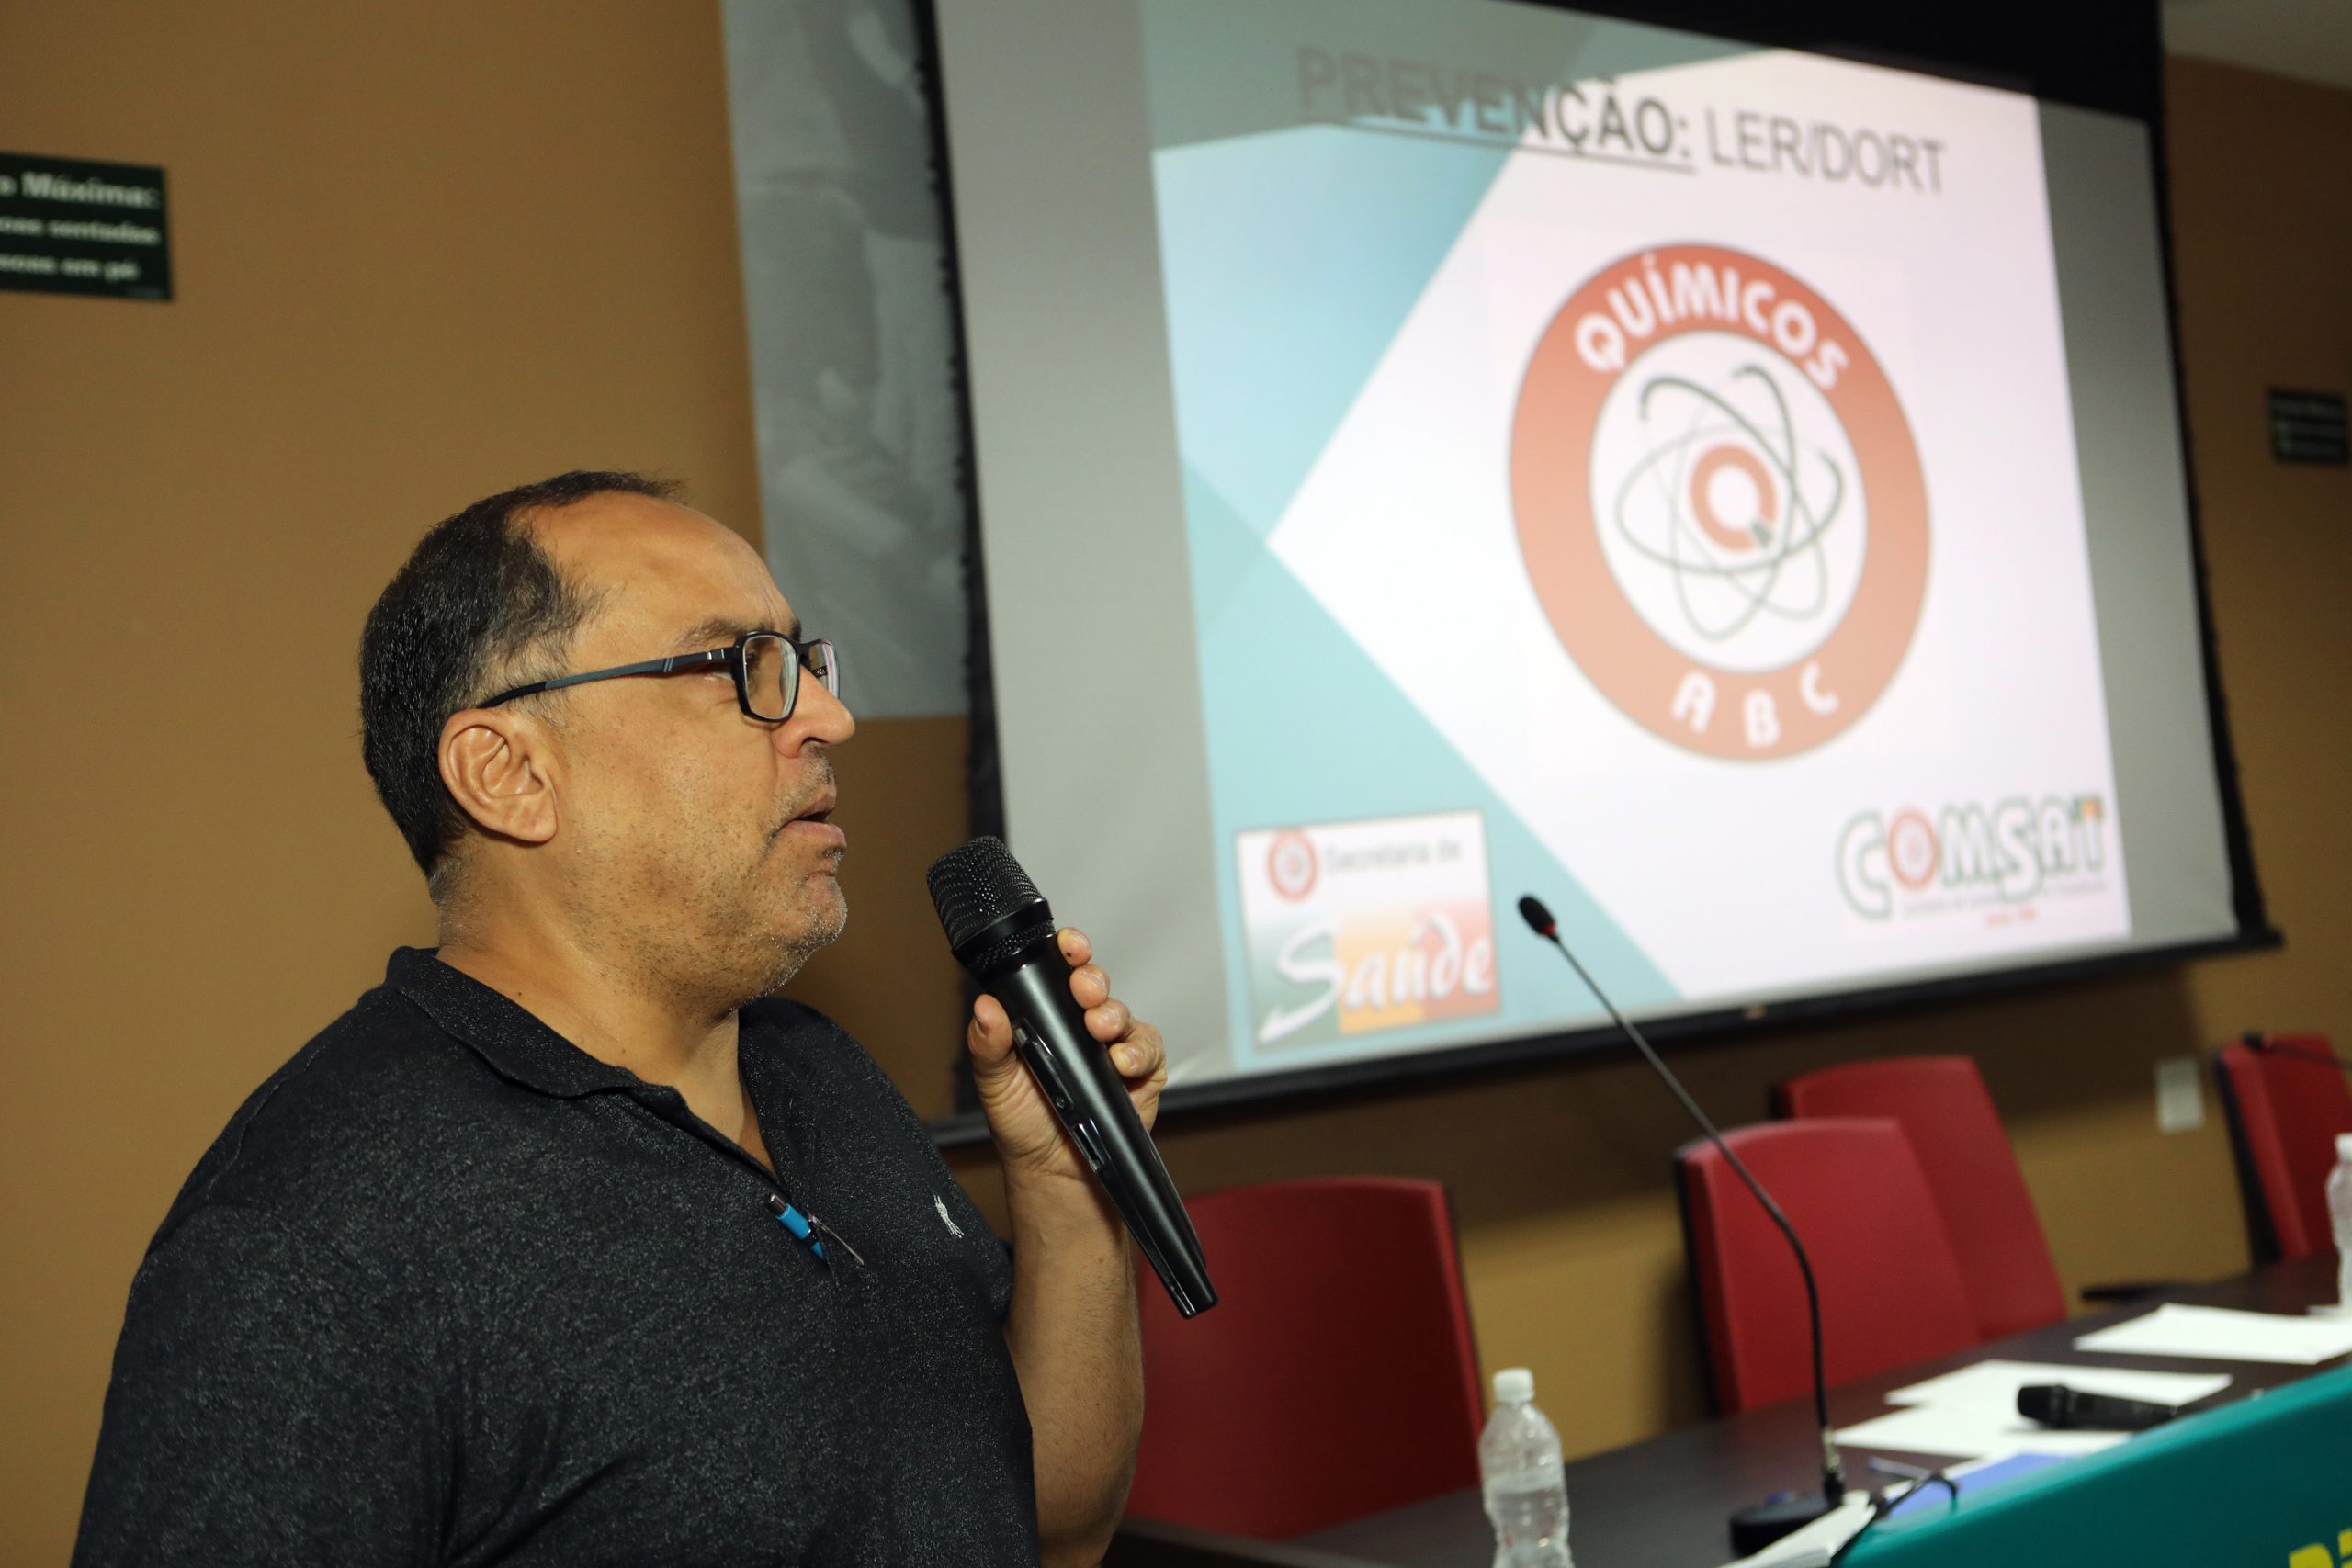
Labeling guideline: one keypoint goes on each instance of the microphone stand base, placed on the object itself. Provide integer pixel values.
(1760, 1525)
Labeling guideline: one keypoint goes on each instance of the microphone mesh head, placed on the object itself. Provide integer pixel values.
(977, 885)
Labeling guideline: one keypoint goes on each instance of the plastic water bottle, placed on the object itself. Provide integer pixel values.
(1519, 1463)
(2339, 1215)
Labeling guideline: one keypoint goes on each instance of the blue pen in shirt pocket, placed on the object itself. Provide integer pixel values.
(795, 1221)
(809, 1228)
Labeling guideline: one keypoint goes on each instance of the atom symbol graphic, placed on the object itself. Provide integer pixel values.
(1732, 506)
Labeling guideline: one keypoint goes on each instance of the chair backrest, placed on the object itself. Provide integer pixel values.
(1335, 1377)
(2285, 1111)
(1946, 1113)
(1891, 1289)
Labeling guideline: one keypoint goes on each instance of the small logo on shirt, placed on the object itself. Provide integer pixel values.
(945, 1218)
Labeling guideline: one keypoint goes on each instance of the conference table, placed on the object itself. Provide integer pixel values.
(1663, 1503)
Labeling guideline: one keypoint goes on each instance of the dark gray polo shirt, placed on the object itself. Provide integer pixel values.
(448, 1290)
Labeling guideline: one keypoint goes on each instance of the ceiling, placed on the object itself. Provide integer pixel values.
(2306, 39)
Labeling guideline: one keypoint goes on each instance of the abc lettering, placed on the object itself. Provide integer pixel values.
(1809, 688)
(1694, 704)
(1694, 701)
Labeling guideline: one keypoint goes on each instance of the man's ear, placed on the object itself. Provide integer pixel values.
(498, 767)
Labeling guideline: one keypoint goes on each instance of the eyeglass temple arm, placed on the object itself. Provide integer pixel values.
(643, 667)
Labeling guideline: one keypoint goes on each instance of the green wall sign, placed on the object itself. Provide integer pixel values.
(70, 226)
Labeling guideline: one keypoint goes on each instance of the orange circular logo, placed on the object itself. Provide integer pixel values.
(1913, 852)
(1720, 502)
(1291, 865)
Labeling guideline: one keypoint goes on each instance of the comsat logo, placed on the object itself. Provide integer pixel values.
(1719, 501)
(1969, 856)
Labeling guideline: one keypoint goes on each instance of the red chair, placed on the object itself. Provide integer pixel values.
(2286, 1101)
(1891, 1289)
(1336, 1376)
(1944, 1109)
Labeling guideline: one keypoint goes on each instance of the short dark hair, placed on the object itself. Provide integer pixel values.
(477, 603)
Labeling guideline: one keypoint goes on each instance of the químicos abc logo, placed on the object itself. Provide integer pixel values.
(1719, 501)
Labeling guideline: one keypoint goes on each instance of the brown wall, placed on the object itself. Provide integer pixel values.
(423, 255)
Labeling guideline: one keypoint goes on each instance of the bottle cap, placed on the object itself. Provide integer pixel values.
(2344, 1146)
(1514, 1385)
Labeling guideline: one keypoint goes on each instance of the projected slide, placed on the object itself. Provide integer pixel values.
(1627, 467)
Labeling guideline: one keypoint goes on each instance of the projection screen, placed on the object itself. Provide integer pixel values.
(1429, 451)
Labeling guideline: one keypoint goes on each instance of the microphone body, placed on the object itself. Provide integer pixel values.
(2057, 1405)
(1001, 930)
(1752, 1528)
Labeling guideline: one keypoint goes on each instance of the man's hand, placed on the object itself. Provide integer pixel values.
(1027, 1134)
(1072, 1327)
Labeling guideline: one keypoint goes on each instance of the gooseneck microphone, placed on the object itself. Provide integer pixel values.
(1752, 1528)
(1002, 932)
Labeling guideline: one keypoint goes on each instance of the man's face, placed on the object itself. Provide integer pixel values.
(692, 839)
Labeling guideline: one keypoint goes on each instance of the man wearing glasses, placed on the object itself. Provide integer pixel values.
(569, 1244)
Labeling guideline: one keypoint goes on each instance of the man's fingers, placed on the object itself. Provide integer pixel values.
(1140, 1055)
(1089, 985)
(989, 1031)
(1109, 1021)
(1135, 1050)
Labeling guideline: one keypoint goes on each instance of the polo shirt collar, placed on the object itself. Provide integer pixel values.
(503, 1033)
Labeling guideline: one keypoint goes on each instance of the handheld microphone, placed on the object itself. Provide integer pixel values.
(1754, 1528)
(1001, 930)
(2068, 1409)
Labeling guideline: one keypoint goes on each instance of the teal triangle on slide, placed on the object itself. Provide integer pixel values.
(1291, 261)
(1225, 549)
(1304, 728)
(1291, 254)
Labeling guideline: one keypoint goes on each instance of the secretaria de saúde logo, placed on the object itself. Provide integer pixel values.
(1291, 865)
(1720, 501)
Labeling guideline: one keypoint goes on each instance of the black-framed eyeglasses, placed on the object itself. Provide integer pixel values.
(766, 667)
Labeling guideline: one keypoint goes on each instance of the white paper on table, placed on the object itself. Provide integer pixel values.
(1994, 1385)
(1812, 1546)
(1971, 1430)
(2219, 1334)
